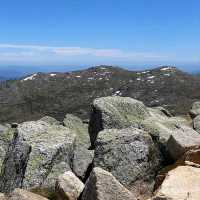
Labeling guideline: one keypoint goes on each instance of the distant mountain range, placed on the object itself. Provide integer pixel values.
(57, 93)
(16, 72)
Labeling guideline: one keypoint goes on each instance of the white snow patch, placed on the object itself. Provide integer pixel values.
(144, 72)
(167, 74)
(78, 76)
(165, 68)
(138, 79)
(117, 93)
(52, 75)
(151, 77)
(29, 78)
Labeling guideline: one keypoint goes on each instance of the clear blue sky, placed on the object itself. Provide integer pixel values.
(86, 32)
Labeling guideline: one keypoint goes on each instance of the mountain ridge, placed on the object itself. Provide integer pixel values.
(57, 93)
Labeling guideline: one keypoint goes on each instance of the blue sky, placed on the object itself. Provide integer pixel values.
(89, 32)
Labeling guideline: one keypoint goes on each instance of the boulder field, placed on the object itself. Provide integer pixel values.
(126, 150)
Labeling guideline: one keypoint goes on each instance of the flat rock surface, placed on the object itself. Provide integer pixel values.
(180, 184)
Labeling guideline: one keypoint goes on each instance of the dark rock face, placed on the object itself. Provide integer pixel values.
(30, 99)
(196, 123)
(14, 165)
(82, 162)
(195, 111)
(130, 155)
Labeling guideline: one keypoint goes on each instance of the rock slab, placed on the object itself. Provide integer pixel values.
(181, 183)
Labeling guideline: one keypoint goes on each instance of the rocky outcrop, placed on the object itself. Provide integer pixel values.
(131, 156)
(180, 184)
(131, 146)
(115, 112)
(68, 186)
(19, 194)
(102, 185)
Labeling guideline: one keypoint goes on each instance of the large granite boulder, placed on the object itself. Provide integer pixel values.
(68, 186)
(180, 184)
(131, 156)
(51, 151)
(102, 185)
(115, 112)
(195, 111)
(39, 152)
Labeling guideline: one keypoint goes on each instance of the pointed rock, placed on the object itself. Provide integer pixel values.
(102, 185)
(69, 187)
